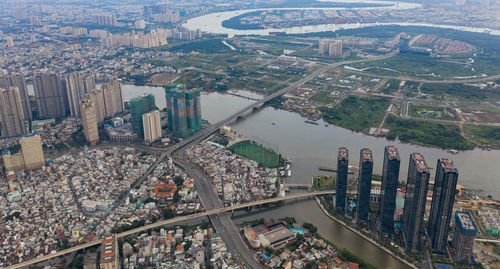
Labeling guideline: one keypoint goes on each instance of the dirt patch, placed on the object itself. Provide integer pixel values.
(162, 79)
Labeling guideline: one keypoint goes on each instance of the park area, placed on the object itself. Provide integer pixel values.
(252, 151)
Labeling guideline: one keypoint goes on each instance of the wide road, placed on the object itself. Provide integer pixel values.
(175, 151)
(216, 213)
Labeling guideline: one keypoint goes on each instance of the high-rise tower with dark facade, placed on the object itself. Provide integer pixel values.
(443, 198)
(417, 185)
(390, 179)
(184, 110)
(342, 170)
(364, 184)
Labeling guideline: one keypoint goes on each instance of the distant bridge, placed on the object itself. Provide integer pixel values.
(168, 222)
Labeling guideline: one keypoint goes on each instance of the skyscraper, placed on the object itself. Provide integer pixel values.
(342, 171)
(98, 100)
(152, 126)
(50, 96)
(19, 82)
(88, 113)
(113, 98)
(390, 179)
(364, 184)
(443, 198)
(11, 113)
(335, 48)
(76, 85)
(184, 110)
(416, 195)
(464, 232)
(139, 106)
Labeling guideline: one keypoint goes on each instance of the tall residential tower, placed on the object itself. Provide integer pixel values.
(11, 113)
(342, 170)
(19, 82)
(51, 98)
(443, 198)
(416, 196)
(390, 179)
(184, 110)
(138, 107)
(364, 184)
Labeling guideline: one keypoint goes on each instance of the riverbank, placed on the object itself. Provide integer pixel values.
(362, 235)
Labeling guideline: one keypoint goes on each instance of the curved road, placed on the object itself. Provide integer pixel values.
(222, 222)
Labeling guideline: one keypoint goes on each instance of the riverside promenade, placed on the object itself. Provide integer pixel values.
(364, 236)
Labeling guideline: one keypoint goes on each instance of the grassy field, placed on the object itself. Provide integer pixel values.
(484, 135)
(390, 87)
(429, 112)
(257, 153)
(322, 97)
(356, 113)
(420, 66)
(321, 182)
(460, 92)
(426, 134)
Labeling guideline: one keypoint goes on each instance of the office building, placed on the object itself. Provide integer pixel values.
(443, 198)
(11, 113)
(138, 107)
(76, 85)
(364, 184)
(50, 96)
(19, 82)
(152, 126)
(342, 171)
(30, 157)
(389, 189)
(184, 110)
(113, 98)
(464, 232)
(89, 119)
(335, 48)
(416, 195)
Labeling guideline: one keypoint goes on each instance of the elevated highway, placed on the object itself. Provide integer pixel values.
(175, 152)
(170, 222)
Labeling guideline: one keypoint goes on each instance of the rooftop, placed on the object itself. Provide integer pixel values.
(447, 165)
(366, 155)
(420, 162)
(392, 152)
(343, 154)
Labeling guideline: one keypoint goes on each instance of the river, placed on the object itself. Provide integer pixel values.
(309, 146)
(212, 23)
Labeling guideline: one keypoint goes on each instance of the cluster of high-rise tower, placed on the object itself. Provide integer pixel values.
(56, 97)
(417, 185)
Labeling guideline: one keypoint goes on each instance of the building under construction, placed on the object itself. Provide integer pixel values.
(137, 107)
(184, 110)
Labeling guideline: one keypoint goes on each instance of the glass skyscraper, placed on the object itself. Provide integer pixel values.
(364, 184)
(390, 179)
(416, 195)
(342, 170)
(443, 198)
